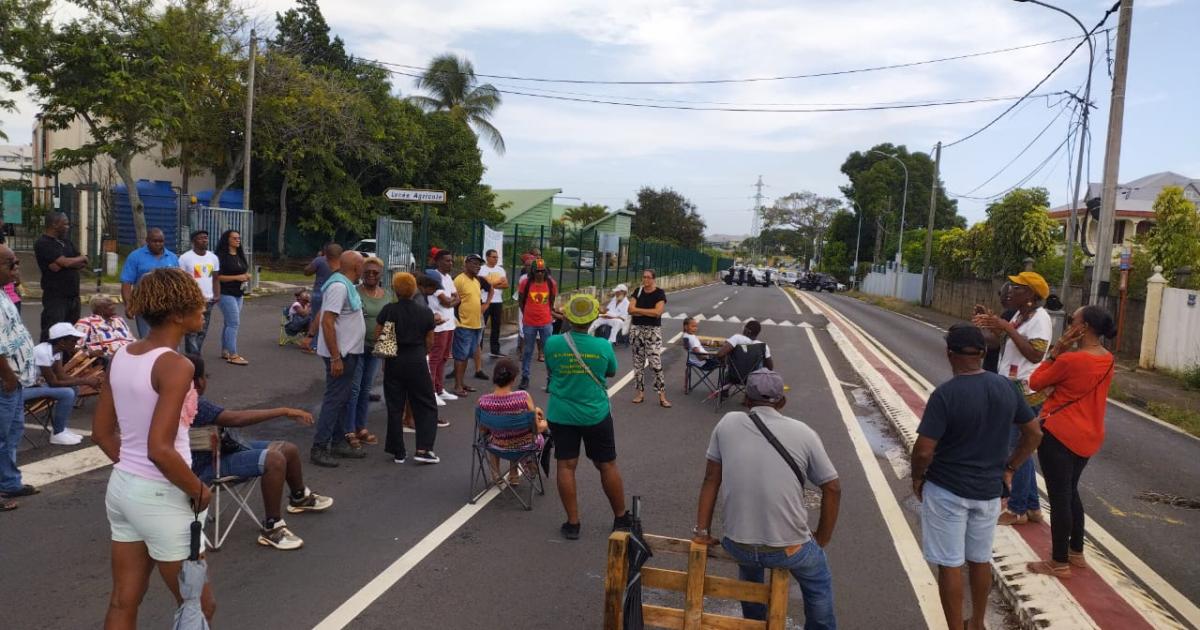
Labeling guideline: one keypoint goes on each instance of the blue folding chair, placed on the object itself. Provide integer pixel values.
(511, 438)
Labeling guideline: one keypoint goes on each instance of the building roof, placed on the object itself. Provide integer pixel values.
(515, 202)
(617, 212)
(1135, 198)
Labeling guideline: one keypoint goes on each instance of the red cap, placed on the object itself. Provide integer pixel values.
(433, 252)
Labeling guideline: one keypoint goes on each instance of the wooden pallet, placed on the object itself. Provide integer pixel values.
(695, 584)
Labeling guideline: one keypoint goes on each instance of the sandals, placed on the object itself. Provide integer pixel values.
(366, 437)
(353, 441)
(1048, 567)
(234, 359)
(8, 506)
(1076, 559)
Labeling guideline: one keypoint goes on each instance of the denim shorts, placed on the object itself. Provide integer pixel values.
(150, 511)
(245, 464)
(954, 529)
(466, 340)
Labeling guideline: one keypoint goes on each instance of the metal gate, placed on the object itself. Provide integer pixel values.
(215, 221)
(393, 243)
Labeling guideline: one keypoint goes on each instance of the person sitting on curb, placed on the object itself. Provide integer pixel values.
(766, 522)
(273, 461)
(54, 382)
(104, 332)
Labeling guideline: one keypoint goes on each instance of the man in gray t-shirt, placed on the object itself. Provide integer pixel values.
(762, 500)
(340, 344)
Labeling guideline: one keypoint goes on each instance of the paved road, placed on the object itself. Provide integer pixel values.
(1138, 455)
(504, 567)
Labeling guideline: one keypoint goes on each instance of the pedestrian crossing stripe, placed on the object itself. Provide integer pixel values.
(699, 317)
(716, 318)
(734, 319)
(786, 323)
(769, 322)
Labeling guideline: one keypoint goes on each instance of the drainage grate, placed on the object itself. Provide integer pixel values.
(1169, 499)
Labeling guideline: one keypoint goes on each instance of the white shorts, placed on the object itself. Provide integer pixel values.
(954, 529)
(151, 511)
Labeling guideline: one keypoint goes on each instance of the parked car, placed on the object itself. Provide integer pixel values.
(579, 259)
(364, 246)
(788, 277)
(816, 281)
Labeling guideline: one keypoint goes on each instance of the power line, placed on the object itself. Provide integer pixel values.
(1022, 152)
(754, 79)
(1004, 113)
(1023, 180)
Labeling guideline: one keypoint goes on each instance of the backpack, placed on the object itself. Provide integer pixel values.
(549, 282)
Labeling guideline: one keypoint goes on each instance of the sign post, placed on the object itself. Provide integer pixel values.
(1126, 256)
(423, 197)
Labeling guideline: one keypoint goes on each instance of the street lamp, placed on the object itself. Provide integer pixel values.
(903, 209)
(1069, 252)
(857, 241)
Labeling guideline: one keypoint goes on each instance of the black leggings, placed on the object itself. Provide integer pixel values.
(1061, 469)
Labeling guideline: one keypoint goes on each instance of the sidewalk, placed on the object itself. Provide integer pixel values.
(1154, 393)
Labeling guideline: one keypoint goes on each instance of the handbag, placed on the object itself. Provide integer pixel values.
(385, 343)
(787, 457)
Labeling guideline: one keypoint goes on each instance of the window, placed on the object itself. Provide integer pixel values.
(1144, 227)
(1119, 232)
(1190, 194)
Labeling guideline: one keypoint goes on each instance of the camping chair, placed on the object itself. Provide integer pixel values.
(694, 375)
(83, 364)
(286, 337)
(526, 455)
(209, 439)
(744, 359)
(42, 410)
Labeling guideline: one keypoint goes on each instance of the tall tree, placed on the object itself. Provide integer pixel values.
(1021, 228)
(667, 216)
(807, 213)
(585, 214)
(1174, 241)
(453, 88)
(302, 32)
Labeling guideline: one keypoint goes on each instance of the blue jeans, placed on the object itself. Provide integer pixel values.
(360, 392)
(12, 427)
(63, 397)
(1024, 493)
(193, 342)
(231, 312)
(531, 334)
(811, 570)
(335, 401)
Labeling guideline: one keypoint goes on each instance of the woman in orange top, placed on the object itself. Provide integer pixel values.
(1080, 371)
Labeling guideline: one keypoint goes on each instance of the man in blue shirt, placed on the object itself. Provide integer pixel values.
(141, 261)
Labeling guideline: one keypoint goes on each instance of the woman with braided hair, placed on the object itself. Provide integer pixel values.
(153, 496)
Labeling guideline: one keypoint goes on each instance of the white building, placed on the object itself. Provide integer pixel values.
(16, 161)
(1135, 205)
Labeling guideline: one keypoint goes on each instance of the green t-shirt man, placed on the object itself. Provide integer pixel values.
(574, 397)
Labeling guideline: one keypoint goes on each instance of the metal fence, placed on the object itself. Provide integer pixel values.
(216, 221)
(393, 243)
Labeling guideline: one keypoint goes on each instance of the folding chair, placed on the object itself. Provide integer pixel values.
(525, 454)
(42, 410)
(83, 364)
(208, 439)
(744, 359)
(694, 375)
(286, 337)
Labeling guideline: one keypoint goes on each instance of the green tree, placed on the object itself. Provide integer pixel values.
(303, 33)
(453, 88)
(1021, 228)
(1174, 241)
(585, 214)
(666, 216)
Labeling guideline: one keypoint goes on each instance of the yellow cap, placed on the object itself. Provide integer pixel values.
(1034, 281)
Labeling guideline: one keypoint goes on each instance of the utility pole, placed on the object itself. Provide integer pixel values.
(1112, 157)
(933, 196)
(756, 223)
(246, 147)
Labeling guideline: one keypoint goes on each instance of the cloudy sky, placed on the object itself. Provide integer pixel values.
(604, 153)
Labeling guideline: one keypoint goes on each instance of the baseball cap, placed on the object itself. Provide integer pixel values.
(964, 338)
(538, 265)
(1034, 281)
(196, 233)
(764, 385)
(582, 309)
(476, 257)
(63, 329)
(433, 251)
(621, 288)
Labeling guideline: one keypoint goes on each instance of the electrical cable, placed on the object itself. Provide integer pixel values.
(1023, 180)
(753, 79)
(1021, 153)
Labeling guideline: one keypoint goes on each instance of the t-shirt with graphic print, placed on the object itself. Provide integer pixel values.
(1038, 329)
(537, 305)
(201, 268)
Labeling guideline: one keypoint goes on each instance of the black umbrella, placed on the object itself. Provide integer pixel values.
(637, 555)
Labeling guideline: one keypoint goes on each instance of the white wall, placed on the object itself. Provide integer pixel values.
(884, 284)
(1179, 330)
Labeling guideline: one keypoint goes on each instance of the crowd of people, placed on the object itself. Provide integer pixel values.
(972, 465)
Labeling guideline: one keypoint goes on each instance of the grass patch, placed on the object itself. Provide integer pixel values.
(1185, 419)
(890, 303)
(289, 277)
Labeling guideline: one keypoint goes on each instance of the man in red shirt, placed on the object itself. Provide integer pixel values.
(535, 295)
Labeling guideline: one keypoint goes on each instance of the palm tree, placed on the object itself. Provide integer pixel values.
(451, 82)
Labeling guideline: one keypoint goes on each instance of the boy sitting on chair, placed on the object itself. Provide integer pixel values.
(275, 462)
(55, 383)
(698, 355)
(749, 336)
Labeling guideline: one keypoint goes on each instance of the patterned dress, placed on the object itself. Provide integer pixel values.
(510, 404)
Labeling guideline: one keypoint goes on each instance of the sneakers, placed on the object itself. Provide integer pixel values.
(345, 451)
(399, 460)
(623, 522)
(427, 457)
(309, 503)
(570, 531)
(279, 537)
(440, 402)
(409, 430)
(442, 424)
(1008, 518)
(66, 438)
(320, 456)
(447, 396)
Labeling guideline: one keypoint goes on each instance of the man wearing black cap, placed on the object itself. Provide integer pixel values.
(202, 265)
(960, 465)
(763, 459)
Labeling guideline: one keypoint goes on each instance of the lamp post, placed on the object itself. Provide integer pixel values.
(1072, 224)
(903, 209)
(857, 242)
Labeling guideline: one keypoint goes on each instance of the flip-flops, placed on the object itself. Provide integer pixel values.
(234, 359)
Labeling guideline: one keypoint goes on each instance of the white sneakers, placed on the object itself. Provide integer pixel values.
(66, 438)
(445, 395)
(440, 402)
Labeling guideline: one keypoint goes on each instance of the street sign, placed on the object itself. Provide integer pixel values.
(610, 242)
(1125, 256)
(415, 195)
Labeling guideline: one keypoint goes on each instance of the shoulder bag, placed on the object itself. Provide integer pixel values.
(787, 457)
(1042, 417)
(385, 343)
(582, 363)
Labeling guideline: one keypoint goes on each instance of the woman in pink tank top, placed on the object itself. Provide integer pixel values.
(153, 496)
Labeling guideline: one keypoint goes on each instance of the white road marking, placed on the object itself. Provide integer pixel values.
(47, 471)
(716, 318)
(734, 319)
(345, 614)
(83, 432)
(795, 306)
(768, 322)
(919, 575)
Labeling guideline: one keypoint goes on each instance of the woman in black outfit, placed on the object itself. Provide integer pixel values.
(406, 376)
(233, 273)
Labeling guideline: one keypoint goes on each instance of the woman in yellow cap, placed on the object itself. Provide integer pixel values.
(1025, 337)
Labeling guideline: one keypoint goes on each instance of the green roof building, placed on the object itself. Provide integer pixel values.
(619, 221)
(531, 209)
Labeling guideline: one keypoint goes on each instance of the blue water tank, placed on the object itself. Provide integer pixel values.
(231, 199)
(161, 204)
